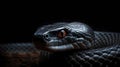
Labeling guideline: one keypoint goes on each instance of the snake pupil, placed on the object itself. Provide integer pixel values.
(62, 34)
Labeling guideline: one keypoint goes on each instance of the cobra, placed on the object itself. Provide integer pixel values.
(69, 44)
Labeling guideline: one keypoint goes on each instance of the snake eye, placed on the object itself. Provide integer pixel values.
(62, 34)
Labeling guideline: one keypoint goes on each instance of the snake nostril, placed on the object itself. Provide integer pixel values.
(46, 37)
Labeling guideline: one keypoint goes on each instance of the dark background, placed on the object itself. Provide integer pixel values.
(19, 27)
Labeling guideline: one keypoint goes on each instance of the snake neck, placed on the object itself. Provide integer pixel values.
(103, 39)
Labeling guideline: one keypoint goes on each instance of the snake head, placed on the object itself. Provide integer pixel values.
(64, 37)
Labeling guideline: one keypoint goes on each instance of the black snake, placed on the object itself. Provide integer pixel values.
(64, 44)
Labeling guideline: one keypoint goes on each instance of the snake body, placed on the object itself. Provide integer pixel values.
(64, 44)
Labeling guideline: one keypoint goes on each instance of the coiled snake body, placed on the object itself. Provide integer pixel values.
(64, 44)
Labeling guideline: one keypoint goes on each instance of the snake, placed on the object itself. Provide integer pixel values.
(64, 44)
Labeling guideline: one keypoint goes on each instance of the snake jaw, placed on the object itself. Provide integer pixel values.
(79, 45)
(69, 47)
(60, 48)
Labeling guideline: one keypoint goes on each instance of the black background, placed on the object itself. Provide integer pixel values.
(19, 27)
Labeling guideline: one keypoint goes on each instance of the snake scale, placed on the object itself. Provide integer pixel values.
(64, 45)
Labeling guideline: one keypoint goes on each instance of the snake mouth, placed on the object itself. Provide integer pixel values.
(67, 47)
(61, 48)
(40, 45)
